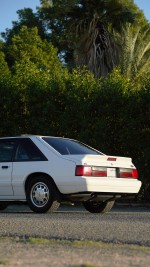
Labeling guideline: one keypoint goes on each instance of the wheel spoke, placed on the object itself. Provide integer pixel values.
(39, 194)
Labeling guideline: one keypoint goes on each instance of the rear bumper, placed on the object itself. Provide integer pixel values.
(115, 185)
(102, 185)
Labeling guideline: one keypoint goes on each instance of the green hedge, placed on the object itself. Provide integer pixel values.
(110, 114)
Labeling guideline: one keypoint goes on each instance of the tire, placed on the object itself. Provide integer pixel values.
(41, 195)
(3, 206)
(98, 207)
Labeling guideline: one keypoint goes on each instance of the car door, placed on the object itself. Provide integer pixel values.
(27, 160)
(6, 154)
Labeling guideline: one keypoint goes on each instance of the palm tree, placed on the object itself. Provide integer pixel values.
(135, 56)
(86, 27)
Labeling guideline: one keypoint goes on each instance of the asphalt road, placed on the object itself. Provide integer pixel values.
(121, 225)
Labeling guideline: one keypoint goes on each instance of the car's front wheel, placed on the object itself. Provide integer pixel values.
(98, 207)
(41, 195)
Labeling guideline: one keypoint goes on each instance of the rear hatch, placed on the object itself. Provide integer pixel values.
(103, 166)
(100, 160)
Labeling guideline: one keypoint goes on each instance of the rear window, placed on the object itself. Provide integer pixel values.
(70, 147)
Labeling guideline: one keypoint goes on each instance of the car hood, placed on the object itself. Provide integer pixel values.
(100, 160)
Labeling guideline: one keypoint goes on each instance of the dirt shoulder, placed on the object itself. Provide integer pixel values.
(60, 253)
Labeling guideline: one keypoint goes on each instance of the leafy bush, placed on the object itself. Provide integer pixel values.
(109, 113)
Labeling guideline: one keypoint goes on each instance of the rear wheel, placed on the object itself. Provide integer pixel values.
(98, 207)
(41, 195)
(3, 206)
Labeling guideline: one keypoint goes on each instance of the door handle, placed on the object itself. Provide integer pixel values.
(4, 167)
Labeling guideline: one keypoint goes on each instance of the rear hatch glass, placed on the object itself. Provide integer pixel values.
(70, 147)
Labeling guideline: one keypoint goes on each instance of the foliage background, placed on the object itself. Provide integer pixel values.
(108, 114)
(39, 94)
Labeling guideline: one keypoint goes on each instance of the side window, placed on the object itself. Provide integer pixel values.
(21, 154)
(27, 151)
(6, 150)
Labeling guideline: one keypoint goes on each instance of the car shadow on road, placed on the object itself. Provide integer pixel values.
(77, 209)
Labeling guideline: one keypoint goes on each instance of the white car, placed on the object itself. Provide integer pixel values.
(45, 171)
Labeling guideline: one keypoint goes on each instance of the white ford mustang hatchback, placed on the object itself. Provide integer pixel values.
(44, 171)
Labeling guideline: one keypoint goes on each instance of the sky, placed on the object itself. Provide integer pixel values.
(8, 10)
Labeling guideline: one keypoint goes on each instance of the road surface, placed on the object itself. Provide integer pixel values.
(120, 226)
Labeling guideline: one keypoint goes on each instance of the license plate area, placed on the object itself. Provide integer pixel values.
(111, 172)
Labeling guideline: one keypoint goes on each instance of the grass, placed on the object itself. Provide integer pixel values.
(3, 262)
(84, 243)
(89, 245)
(75, 243)
(85, 265)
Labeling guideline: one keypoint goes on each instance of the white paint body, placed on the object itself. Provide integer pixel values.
(62, 170)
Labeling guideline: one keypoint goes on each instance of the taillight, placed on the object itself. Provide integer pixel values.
(99, 171)
(91, 171)
(128, 173)
(135, 173)
(83, 171)
(102, 172)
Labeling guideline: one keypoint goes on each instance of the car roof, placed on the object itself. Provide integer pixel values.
(29, 136)
(18, 136)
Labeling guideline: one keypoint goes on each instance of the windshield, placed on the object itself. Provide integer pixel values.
(70, 147)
